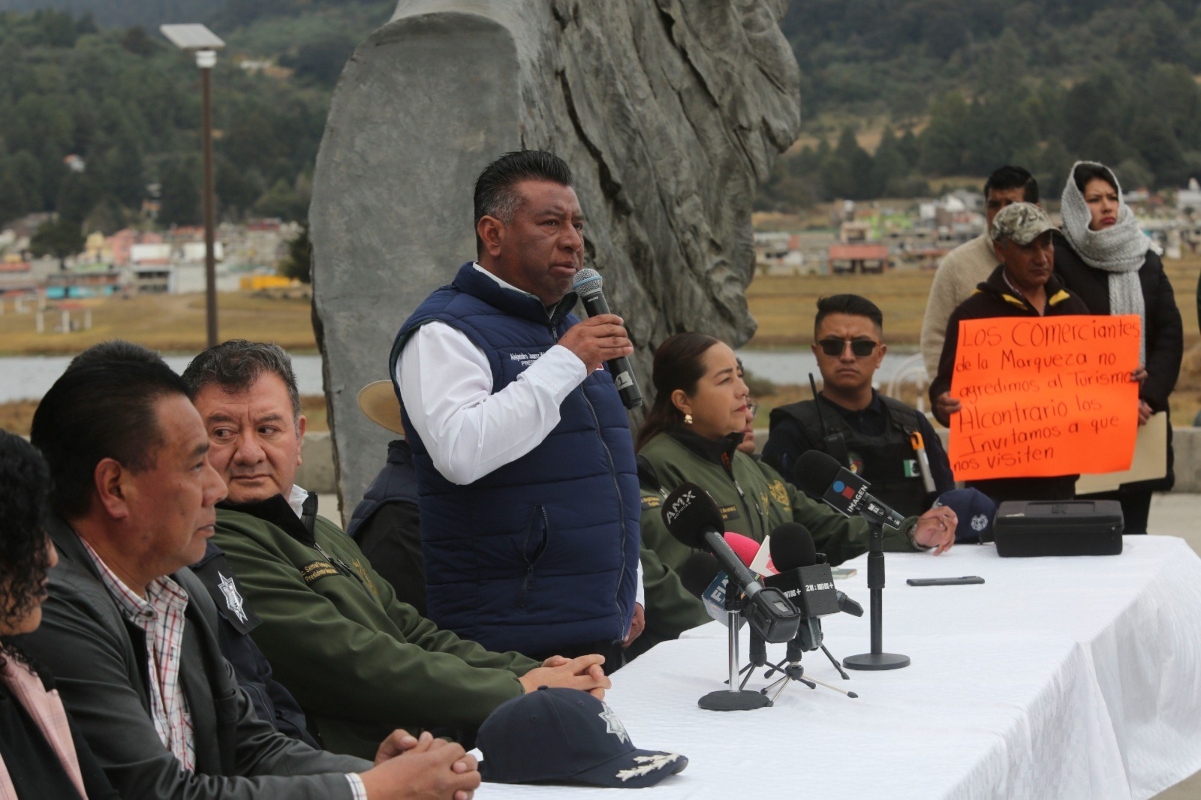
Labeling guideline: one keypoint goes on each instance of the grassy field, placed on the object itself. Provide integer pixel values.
(783, 307)
(169, 323)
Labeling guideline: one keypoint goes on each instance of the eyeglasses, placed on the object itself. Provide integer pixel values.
(862, 348)
(752, 406)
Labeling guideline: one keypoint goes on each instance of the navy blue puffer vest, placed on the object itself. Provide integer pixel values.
(395, 483)
(541, 553)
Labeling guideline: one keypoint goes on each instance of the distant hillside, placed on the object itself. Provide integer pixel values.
(963, 86)
(125, 13)
(123, 104)
(896, 96)
(895, 56)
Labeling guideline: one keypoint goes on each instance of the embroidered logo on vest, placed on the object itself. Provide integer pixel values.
(361, 571)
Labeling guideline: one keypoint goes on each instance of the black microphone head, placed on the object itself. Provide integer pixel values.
(814, 472)
(792, 547)
(688, 512)
(587, 282)
(697, 572)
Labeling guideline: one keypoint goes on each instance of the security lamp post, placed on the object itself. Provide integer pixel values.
(204, 43)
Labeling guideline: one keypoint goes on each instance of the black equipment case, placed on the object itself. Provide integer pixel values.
(1058, 528)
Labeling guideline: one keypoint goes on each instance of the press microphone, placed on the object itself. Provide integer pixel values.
(588, 285)
(713, 590)
(823, 478)
(694, 519)
(744, 547)
(804, 579)
(697, 572)
(699, 569)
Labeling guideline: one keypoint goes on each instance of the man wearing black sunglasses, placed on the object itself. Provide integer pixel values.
(885, 441)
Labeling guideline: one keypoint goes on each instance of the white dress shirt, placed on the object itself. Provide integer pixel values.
(446, 387)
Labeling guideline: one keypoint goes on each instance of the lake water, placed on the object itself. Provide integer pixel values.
(794, 366)
(29, 377)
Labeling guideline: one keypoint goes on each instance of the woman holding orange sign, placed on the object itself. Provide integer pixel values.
(1104, 257)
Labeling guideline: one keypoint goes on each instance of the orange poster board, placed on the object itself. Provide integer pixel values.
(1044, 397)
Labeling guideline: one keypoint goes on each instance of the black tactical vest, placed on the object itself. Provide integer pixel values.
(887, 462)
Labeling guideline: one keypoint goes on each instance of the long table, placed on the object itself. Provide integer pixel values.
(1056, 678)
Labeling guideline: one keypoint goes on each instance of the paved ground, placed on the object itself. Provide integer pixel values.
(1171, 515)
(1179, 515)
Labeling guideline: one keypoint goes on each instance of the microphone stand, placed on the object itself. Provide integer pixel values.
(795, 672)
(735, 698)
(876, 659)
(756, 657)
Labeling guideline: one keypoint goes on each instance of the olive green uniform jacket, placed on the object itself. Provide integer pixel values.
(754, 501)
(359, 662)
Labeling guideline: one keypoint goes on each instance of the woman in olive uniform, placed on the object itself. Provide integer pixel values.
(691, 434)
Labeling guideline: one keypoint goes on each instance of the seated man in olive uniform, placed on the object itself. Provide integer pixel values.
(358, 660)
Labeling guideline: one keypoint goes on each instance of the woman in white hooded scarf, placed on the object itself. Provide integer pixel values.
(1105, 258)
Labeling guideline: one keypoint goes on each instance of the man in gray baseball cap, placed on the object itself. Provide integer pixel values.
(1020, 223)
(1024, 285)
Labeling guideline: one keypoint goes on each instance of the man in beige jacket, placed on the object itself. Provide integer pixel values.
(971, 262)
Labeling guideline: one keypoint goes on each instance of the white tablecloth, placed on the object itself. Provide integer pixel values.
(1057, 678)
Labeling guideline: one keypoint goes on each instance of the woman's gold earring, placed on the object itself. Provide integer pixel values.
(687, 419)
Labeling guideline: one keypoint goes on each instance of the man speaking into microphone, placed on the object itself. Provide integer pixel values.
(528, 488)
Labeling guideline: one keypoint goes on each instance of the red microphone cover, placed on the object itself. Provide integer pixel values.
(744, 547)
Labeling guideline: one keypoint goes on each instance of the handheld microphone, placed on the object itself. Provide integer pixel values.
(803, 579)
(588, 285)
(823, 478)
(694, 519)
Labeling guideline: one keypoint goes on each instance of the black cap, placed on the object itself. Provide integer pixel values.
(565, 735)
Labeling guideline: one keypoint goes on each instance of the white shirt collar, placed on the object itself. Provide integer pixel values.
(296, 499)
(502, 283)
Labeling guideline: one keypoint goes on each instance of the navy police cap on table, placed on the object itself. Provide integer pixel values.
(567, 736)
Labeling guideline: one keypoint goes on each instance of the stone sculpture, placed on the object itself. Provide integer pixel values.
(670, 112)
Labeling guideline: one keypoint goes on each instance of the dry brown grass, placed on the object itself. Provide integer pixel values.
(170, 323)
(16, 417)
(313, 407)
(784, 305)
(784, 309)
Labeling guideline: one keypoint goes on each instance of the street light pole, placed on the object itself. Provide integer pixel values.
(206, 60)
(204, 43)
